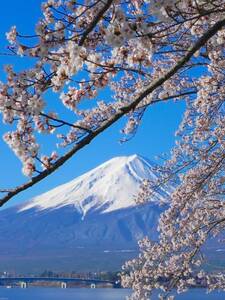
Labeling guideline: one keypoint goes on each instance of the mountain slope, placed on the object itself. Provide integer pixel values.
(83, 224)
(109, 187)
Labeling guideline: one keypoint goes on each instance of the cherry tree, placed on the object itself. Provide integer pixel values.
(140, 52)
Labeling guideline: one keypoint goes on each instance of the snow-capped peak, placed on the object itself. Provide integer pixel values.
(109, 187)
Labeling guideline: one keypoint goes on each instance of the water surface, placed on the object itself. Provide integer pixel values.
(92, 294)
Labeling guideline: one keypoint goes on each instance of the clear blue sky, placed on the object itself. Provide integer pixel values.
(156, 135)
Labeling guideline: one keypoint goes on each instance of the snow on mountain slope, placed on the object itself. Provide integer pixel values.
(90, 223)
(109, 187)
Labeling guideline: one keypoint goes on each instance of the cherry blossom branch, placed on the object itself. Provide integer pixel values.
(63, 122)
(95, 21)
(121, 112)
(164, 99)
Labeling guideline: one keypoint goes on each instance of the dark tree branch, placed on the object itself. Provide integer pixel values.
(66, 123)
(164, 99)
(95, 21)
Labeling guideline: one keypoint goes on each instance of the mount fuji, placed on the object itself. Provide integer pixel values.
(91, 223)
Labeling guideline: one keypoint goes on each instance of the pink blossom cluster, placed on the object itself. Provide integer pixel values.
(197, 209)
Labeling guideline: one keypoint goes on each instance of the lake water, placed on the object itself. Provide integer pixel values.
(91, 294)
